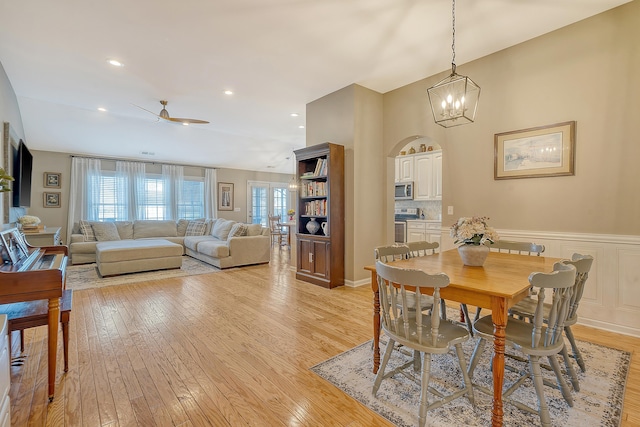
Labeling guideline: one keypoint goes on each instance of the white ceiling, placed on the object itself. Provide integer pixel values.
(276, 55)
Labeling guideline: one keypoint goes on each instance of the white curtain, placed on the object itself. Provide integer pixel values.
(130, 178)
(210, 193)
(173, 177)
(84, 196)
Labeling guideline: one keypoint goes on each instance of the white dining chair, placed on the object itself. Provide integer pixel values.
(535, 339)
(426, 334)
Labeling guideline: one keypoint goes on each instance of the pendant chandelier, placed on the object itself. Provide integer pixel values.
(454, 100)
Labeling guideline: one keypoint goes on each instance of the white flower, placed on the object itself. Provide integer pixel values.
(29, 220)
(473, 231)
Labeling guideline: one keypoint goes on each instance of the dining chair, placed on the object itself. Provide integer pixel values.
(512, 247)
(426, 334)
(275, 230)
(535, 339)
(526, 309)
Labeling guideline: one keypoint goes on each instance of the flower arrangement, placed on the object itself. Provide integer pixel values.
(29, 220)
(291, 212)
(473, 231)
(4, 181)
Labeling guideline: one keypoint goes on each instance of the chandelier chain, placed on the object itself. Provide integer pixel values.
(453, 37)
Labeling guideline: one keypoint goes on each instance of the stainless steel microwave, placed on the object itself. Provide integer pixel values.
(404, 190)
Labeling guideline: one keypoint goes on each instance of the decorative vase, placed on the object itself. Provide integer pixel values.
(325, 228)
(473, 255)
(290, 217)
(313, 226)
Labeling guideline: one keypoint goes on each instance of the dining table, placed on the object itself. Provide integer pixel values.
(498, 284)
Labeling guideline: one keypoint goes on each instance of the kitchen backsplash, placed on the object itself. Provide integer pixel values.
(431, 209)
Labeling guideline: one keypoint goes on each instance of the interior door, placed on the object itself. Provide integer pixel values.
(258, 203)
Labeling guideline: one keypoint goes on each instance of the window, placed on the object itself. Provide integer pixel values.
(267, 198)
(113, 202)
(192, 204)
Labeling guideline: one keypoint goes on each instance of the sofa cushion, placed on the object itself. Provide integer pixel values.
(105, 231)
(192, 242)
(254, 229)
(130, 250)
(125, 229)
(182, 227)
(238, 229)
(214, 248)
(154, 228)
(196, 228)
(87, 231)
(222, 228)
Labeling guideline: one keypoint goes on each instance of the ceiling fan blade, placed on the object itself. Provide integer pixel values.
(190, 121)
(148, 111)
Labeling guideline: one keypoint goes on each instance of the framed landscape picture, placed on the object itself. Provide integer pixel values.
(52, 179)
(51, 200)
(536, 152)
(225, 196)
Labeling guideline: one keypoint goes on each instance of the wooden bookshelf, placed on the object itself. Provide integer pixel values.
(320, 256)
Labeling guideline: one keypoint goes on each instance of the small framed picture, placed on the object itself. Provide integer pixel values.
(225, 196)
(52, 200)
(52, 179)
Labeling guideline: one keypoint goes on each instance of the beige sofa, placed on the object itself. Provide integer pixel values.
(220, 242)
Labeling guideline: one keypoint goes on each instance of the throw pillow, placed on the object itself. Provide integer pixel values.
(195, 228)
(105, 231)
(182, 227)
(238, 229)
(87, 231)
(254, 229)
(222, 228)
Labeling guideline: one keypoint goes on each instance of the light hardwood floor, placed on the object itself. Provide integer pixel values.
(226, 349)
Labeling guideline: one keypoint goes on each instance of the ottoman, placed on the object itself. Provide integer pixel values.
(132, 256)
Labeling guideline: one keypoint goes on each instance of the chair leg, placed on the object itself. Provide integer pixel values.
(21, 341)
(465, 312)
(572, 372)
(562, 384)
(465, 376)
(536, 374)
(424, 389)
(574, 347)
(443, 309)
(383, 365)
(475, 357)
(417, 365)
(478, 310)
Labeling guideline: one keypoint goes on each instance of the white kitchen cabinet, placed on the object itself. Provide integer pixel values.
(427, 170)
(404, 168)
(423, 230)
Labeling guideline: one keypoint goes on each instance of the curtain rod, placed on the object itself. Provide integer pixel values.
(142, 161)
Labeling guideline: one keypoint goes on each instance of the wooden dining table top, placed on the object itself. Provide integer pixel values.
(503, 275)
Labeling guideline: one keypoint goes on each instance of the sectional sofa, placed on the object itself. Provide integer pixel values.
(219, 242)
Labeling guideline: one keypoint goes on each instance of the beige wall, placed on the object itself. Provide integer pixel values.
(587, 72)
(46, 161)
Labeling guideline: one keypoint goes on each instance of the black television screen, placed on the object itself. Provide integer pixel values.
(22, 166)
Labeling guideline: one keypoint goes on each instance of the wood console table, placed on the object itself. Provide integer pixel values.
(498, 285)
(50, 236)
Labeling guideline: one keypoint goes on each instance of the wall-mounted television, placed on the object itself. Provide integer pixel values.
(22, 167)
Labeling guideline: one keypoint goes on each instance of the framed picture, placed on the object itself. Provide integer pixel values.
(51, 200)
(10, 144)
(225, 196)
(536, 152)
(14, 247)
(52, 179)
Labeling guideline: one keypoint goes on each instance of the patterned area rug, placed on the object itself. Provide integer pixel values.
(598, 403)
(85, 276)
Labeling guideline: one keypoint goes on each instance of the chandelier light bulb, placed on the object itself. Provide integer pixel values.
(449, 99)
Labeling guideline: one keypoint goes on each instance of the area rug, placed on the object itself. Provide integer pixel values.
(86, 276)
(598, 403)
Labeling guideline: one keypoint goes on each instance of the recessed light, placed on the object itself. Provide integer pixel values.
(294, 114)
(301, 127)
(185, 124)
(228, 92)
(115, 63)
(102, 109)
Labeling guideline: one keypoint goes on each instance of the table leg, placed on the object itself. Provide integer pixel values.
(54, 319)
(376, 322)
(499, 318)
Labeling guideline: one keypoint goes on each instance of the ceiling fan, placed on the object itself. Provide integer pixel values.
(164, 114)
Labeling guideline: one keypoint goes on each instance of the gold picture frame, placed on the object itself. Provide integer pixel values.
(535, 152)
(225, 196)
(52, 200)
(52, 179)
